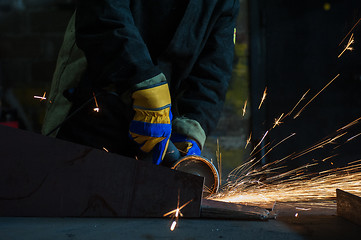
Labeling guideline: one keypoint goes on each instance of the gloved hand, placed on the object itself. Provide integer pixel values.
(185, 145)
(151, 126)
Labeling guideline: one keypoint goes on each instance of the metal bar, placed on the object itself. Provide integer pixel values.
(225, 210)
(48, 177)
(349, 206)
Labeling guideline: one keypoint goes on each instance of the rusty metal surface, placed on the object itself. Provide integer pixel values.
(42, 176)
(349, 206)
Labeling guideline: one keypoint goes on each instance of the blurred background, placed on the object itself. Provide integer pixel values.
(283, 49)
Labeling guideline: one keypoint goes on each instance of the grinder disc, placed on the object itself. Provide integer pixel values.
(200, 166)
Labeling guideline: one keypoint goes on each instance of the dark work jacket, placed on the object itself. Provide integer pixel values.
(190, 41)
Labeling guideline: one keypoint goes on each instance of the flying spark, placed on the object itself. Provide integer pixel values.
(350, 31)
(352, 138)
(176, 213)
(348, 46)
(244, 109)
(263, 98)
(219, 161)
(248, 140)
(291, 186)
(264, 136)
(96, 109)
(315, 96)
(301, 99)
(41, 98)
(250, 183)
(277, 121)
(319, 145)
(349, 125)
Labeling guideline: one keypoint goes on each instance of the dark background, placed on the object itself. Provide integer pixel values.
(294, 47)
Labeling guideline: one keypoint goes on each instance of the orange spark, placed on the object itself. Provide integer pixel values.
(259, 142)
(319, 145)
(248, 140)
(355, 161)
(350, 124)
(41, 98)
(301, 99)
(349, 31)
(176, 213)
(263, 98)
(325, 159)
(177, 210)
(96, 109)
(351, 138)
(105, 149)
(277, 121)
(273, 147)
(315, 96)
(244, 109)
(348, 45)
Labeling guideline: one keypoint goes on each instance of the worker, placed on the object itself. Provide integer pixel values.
(133, 75)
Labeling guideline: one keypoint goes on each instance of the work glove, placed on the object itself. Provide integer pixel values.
(151, 125)
(185, 145)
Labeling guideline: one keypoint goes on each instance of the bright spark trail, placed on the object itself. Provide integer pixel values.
(348, 46)
(96, 109)
(244, 109)
(252, 184)
(350, 31)
(176, 213)
(292, 186)
(263, 98)
(41, 98)
(316, 96)
(301, 99)
(248, 140)
(273, 182)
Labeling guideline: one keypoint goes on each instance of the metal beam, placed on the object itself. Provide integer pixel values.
(43, 176)
(349, 206)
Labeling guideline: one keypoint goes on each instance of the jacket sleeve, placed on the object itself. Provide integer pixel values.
(112, 44)
(207, 84)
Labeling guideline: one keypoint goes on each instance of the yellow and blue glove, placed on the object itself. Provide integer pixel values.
(151, 125)
(185, 145)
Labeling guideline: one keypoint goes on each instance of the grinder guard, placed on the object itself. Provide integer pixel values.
(196, 165)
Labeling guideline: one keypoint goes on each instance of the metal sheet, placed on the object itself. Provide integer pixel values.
(43, 176)
(349, 206)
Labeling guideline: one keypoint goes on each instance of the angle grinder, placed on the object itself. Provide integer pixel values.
(193, 164)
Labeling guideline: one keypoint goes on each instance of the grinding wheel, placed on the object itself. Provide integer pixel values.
(200, 166)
